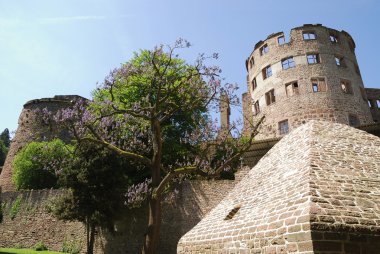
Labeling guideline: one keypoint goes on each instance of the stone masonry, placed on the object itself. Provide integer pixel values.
(282, 71)
(316, 191)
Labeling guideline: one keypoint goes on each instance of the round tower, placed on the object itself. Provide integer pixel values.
(30, 128)
(313, 74)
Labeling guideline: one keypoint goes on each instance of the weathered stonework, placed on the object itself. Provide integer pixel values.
(301, 104)
(373, 96)
(316, 191)
(30, 129)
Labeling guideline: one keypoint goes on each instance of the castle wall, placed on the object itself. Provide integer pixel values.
(301, 104)
(33, 223)
(30, 128)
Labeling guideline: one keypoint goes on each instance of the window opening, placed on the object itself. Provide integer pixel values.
(254, 84)
(283, 127)
(291, 89)
(232, 213)
(333, 38)
(264, 49)
(267, 72)
(281, 40)
(346, 86)
(313, 58)
(309, 36)
(270, 97)
(288, 63)
(318, 85)
(251, 62)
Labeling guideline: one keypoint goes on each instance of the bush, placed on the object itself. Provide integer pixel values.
(3, 153)
(72, 246)
(15, 207)
(35, 166)
(40, 246)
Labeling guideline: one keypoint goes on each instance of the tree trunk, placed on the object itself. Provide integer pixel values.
(154, 223)
(91, 242)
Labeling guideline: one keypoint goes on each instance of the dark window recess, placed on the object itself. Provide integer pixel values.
(257, 107)
(267, 72)
(339, 61)
(232, 213)
(313, 59)
(309, 36)
(251, 62)
(291, 89)
(283, 127)
(254, 84)
(370, 104)
(353, 120)
(334, 38)
(288, 63)
(346, 86)
(269, 97)
(264, 49)
(281, 40)
(318, 85)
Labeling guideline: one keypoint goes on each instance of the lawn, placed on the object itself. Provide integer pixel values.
(26, 251)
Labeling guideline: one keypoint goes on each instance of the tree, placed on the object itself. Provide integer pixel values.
(5, 137)
(152, 100)
(96, 184)
(3, 153)
(37, 164)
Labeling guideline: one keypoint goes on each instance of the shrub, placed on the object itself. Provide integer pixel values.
(35, 166)
(71, 246)
(39, 246)
(15, 207)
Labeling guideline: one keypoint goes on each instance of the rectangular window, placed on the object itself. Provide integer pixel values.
(257, 107)
(269, 97)
(353, 120)
(251, 62)
(309, 36)
(287, 63)
(346, 86)
(318, 85)
(378, 103)
(339, 61)
(281, 40)
(254, 84)
(313, 58)
(267, 72)
(264, 49)
(333, 38)
(291, 89)
(283, 127)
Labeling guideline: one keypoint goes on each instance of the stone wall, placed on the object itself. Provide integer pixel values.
(32, 223)
(316, 191)
(30, 128)
(373, 96)
(301, 104)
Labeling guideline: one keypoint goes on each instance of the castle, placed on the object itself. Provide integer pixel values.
(316, 191)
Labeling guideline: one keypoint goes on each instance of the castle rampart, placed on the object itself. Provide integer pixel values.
(313, 74)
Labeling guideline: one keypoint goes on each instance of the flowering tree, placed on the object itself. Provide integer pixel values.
(153, 112)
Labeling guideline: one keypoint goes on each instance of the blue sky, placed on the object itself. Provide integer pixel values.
(51, 47)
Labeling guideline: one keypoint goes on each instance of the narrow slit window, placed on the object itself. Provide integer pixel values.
(232, 213)
(251, 62)
(288, 63)
(257, 107)
(254, 84)
(283, 127)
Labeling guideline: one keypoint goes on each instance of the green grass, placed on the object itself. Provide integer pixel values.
(26, 251)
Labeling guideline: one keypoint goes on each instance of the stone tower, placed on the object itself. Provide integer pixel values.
(31, 129)
(313, 74)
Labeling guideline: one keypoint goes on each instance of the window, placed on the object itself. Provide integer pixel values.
(257, 107)
(318, 85)
(333, 38)
(283, 127)
(269, 97)
(267, 72)
(281, 40)
(364, 95)
(232, 213)
(309, 36)
(291, 88)
(339, 61)
(346, 86)
(370, 104)
(287, 63)
(313, 58)
(251, 62)
(264, 49)
(378, 103)
(254, 84)
(353, 120)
